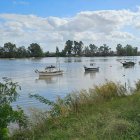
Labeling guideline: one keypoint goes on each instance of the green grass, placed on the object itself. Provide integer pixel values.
(102, 113)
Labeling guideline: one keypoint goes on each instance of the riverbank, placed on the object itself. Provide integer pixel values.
(103, 112)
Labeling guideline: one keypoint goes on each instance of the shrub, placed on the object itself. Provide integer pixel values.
(110, 90)
(9, 94)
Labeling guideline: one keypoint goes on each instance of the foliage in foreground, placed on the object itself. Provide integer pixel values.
(9, 94)
(102, 112)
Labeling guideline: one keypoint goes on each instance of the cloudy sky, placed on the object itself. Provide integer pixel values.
(51, 22)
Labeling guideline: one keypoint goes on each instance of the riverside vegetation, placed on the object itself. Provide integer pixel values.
(71, 48)
(9, 94)
(106, 112)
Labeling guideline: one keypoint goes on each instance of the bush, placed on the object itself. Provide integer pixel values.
(110, 90)
(9, 94)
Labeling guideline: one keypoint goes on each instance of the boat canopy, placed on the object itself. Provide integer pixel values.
(50, 67)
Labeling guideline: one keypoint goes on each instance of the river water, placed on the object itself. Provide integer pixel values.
(74, 77)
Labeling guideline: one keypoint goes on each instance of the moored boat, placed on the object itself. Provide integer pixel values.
(50, 71)
(91, 68)
(129, 63)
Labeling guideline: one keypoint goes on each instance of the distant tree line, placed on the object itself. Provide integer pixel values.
(71, 48)
(74, 48)
(128, 50)
(9, 50)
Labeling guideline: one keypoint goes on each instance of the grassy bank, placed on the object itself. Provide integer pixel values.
(103, 113)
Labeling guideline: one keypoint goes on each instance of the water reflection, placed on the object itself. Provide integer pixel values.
(92, 74)
(73, 59)
(92, 60)
(49, 79)
(105, 59)
(77, 59)
(68, 60)
(128, 67)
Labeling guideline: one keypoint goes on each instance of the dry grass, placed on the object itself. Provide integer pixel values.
(99, 113)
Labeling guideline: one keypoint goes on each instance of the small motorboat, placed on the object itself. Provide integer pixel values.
(128, 63)
(50, 71)
(91, 68)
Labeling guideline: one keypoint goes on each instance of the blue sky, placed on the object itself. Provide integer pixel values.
(51, 22)
(63, 7)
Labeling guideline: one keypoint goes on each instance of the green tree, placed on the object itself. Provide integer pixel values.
(22, 52)
(35, 50)
(9, 94)
(129, 50)
(69, 46)
(87, 51)
(2, 52)
(63, 53)
(57, 51)
(135, 51)
(101, 49)
(120, 50)
(104, 50)
(75, 48)
(78, 46)
(10, 50)
(93, 49)
(47, 54)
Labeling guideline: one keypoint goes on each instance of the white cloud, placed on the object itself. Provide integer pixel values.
(97, 27)
(121, 35)
(99, 21)
(56, 22)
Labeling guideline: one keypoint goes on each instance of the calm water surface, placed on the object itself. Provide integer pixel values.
(74, 77)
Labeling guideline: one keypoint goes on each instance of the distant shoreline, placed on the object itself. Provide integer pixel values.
(12, 58)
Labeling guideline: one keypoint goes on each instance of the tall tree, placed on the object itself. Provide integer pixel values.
(93, 49)
(75, 48)
(22, 52)
(87, 51)
(135, 51)
(78, 46)
(104, 50)
(81, 44)
(120, 50)
(35, 50)
(129, 50)
(10, 50)
(57, 51)
(69, 46)
(2, 52)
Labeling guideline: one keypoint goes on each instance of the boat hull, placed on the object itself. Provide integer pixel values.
(50, 73)
(128, 64)
(91, 69)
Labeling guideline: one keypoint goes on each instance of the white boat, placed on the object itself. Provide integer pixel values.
(50, 71)
(91, 68)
